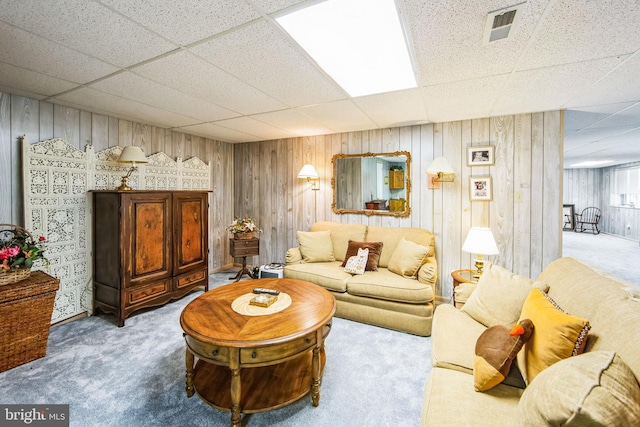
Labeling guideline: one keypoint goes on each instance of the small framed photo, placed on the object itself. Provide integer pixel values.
(481, 188)
(480, 155)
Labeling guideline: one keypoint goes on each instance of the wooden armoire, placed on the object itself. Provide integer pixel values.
(149, 247)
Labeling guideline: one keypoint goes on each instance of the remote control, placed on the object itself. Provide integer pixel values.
(266, 291)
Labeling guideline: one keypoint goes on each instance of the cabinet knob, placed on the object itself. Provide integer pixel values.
(308, 340)
(254, 355)
(214, 352)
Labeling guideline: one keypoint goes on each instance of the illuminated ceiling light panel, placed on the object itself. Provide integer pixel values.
(359, 43)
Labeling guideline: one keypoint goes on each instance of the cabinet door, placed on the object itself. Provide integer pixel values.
(396, 181)
(147, 237)
(190, 231)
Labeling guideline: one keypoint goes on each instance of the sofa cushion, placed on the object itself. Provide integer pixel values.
(499, 296)
(407, 258)
(383, 284)
(327, 274)
(453, 339)
(374, 253)
(556, 335)
(450, 401)
(495, 350)
(341, 234)
(595, 388)
(356, 264)
(316, 246)
(391, 236)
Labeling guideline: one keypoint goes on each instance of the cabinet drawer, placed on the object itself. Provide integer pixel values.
(244, 247)
(249, 356)
(245, 252)
(190, 278)
(209, 352)
(148, 292)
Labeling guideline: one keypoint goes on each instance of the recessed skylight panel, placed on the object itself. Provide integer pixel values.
(359, 43)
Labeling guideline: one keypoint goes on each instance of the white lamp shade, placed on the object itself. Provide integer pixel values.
(440, 164)
(308, 171)
(132, 155)
(480, 241)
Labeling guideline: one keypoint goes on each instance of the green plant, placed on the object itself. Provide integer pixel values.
(18, 249)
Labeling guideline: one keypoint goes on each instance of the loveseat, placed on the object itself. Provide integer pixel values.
(399, 295)
(598, 386)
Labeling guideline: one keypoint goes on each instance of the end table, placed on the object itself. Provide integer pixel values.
(461, 276)
(244, 248)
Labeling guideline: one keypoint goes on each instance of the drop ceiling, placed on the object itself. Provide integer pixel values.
(225, 70)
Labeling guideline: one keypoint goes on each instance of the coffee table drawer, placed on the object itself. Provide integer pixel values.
(209, 352)
(250, 356)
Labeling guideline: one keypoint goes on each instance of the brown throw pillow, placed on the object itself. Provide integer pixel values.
(375, 248)
(495, 350)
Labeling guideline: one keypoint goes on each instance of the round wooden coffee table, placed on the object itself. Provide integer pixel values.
(253, 363)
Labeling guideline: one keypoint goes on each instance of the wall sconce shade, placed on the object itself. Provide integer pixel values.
(310, 173)
(133, 155)
(480, 241)
(440, 171)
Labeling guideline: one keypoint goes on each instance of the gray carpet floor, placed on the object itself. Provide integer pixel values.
(134, 376)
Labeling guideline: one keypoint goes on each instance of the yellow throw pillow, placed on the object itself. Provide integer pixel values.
(593, 389)
(557, 335)
(407, 258)
(495, 350)
(316, 246)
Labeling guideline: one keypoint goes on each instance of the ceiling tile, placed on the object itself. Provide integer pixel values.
(582, 30)
(189, 74)
(293, 122)
(100, 102)
(628, 117)
(30, 82)
(261, 56)
(131, 86)
(340, 116)
(210, 130)
(399, 108)
(270, 6)
(581, 117)
(87, 27)
(35, 53)
(186, 21)
(254, 127)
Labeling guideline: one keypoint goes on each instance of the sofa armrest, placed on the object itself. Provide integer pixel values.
(428, 273)
(293, 256)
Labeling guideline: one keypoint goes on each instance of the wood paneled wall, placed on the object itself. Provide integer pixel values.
(527, 184)
(592, 187)
(41, 120)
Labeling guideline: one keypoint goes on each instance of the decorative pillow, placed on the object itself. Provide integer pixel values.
(316, 246)
(407, 258)
(499, 296)
(375, 248)
(558, 335)
(495, 350)
(357, 263)
(594, 389)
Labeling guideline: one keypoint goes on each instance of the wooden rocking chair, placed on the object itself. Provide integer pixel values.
(589, 217)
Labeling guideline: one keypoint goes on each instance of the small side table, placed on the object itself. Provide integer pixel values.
(461, 276)
(244, 248)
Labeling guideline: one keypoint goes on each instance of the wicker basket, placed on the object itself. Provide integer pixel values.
(243, 236)
(16, 274)
(25, 310)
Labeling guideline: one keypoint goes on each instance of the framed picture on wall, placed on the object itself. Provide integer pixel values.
(481, 188)
(480, 156)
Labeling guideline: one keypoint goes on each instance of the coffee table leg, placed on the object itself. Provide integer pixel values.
(236, 418)
(189, 363)
(315, 381)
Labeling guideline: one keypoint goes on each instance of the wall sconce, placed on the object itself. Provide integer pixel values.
(309, 172)
(131, 155)
(440, 171)
(480, 241)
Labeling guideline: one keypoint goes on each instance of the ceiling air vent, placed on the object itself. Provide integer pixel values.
(501, 23)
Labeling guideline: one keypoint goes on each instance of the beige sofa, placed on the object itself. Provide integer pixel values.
(597, 387)
(381, 298)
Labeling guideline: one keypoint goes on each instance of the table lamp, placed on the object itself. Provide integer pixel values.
(131, 155)
(480, 241)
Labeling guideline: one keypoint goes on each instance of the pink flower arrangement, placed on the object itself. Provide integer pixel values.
(18, 249)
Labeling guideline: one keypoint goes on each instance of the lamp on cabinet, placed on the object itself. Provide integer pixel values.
(133, 155)
(310, 173)
(480, 241)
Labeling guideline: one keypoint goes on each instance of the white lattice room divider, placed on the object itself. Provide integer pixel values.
(57, 204)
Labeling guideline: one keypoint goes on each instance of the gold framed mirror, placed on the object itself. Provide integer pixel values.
(372, 183)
